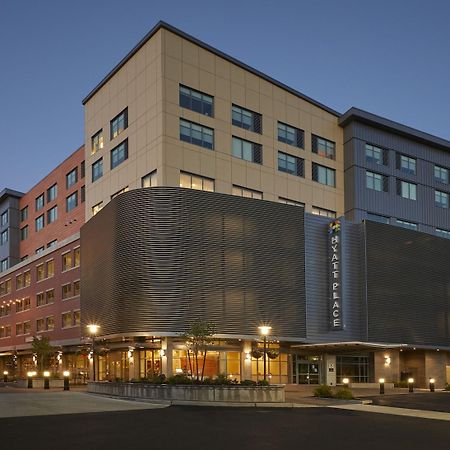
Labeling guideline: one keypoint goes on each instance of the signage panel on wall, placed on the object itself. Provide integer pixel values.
(335, 271)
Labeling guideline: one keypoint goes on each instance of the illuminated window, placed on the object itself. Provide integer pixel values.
(149, 180)
(50, 268)
(244, 192)
(96, 208)
(97, 142)
(66, 291)
(66, 261)
(196, 182)
(40, 273)
(119, 123)
(323, 147)
(66, 320)
(323, 212)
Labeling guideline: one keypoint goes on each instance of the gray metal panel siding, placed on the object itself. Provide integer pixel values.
(318, 287)
(156, 259)
(408, 286)
(10, 250)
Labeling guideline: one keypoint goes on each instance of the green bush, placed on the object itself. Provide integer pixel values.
(344, 394)
(401, 384)
(179, 379)
(156, 379)
(447, 387)
(248, 383)
(222, 379)
(263, 383)
(323, 391)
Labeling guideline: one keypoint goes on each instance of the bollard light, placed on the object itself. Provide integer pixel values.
(30, 380)
(381, 381)
(411, 384)
(345, 382)
(66, 374)
(46, 379)
(5, 376)
(432, 381)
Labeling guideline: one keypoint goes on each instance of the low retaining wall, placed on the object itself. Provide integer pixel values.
(39, 383)
(232, 394)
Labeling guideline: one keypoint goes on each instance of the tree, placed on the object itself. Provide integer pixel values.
(198, 337)
(41, 346)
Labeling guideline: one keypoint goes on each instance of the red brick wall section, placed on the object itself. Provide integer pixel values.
(66, 224)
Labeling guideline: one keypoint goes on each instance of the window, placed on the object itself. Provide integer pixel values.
(323, 147)
(441, 174)
(77, 318)
(441, 199)
(72, 201)
(27, 327)
(197, 182)
(119, 123)
(246, 119)
(66, 261)
(97, 142)
(24, 214)
(377, 182)
(27, 278)
(66, 291)
(40, 273)
(97, 169)
(376, 155)
(66, 320)
(19, 329)
(286, 201)
(196, 134)
(24, 233)
(76, 288)
(5, 310)
(96, 208)
(244, 192)
(40, 325)
(52, 193)
(291, 164)
(83, 193)
(196, 101)
(406, 164)
(50, 296)
(19, 281)
(405, 224)
(4, 219)
(3, 237)
(52, 214)
(76, 257)
(323, 175)
(149, 180)
(5, 331)
(40, 250)
(50, 323)
(377, 218)
(119, 154)
(20, 304)
(443, 233)
(39, 222)
(40, 299)
(5, 287)
(246, 150)
(50, 266)
(323, 212)
(3, 266)
(39, 202)
(83, 169)
(290, 135)
(71, 178)
(125, 189)
(407, 190)
(52, 243)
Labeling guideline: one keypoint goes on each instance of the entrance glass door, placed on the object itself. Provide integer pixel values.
(306, 370)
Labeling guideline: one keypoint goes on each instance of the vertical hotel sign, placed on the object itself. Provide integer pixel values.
(335, 271)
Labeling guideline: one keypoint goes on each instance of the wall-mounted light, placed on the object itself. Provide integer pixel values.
(387, 361)
(162, 352)
(248, 356)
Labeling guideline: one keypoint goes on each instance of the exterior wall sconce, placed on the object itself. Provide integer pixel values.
(162, 352)
(387, 361)
(248, 356)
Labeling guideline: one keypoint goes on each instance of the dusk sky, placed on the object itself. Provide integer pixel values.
(391, 58)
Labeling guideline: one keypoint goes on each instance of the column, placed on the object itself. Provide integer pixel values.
(330, 369)
(246, 361)
(435, 367)
(166, 360)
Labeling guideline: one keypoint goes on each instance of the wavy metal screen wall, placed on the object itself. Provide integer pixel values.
(156, 259)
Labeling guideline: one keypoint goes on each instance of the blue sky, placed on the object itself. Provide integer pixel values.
(391, 58)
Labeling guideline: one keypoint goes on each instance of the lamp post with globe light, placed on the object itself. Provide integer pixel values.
(93, 329)
(264, 330)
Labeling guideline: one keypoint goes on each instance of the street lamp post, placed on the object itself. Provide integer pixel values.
(93, 329)
(264, 330)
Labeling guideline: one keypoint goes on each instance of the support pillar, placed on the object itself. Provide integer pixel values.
(435, 367)
(246, 361)
(167, 359)
(330, 369)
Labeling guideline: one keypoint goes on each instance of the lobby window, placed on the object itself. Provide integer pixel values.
(196, 101)
(119, 154)
(441, 199)
(76, 288)
(3, 237)
(66, 291)
(323, 175)
(323, 147)
(286, 201)
(50, 266)
(246, 150)
(24, 233)
(407, 190)
(24, 214)
(40, 325)
(377, 218)
(377, 182)
(3, 266)
(441, 174)
(149, 180)
(248, 193)
(52, 193)
(96, 208)
(72, 201)
(406, 164)
(97, 142)
(290, 135)
(196, 182)
(291, 164)
(125, 189)
(39, 202)
(376, 155)
(76, 256)
(443, 233)
(71, 178)
(52, 214)
(39, 222)
(66, 261)
(66, 320)
(323, 212)
(77, 318)
(244, 118)
(40, 272)
(4, 219)
(405, 224)
(97, 169)
(196, 134)
(119, 123)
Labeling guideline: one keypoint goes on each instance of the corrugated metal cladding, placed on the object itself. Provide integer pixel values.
(408, 286)
(156, 259)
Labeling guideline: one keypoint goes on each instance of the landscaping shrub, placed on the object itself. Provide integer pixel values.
(447, 387)
(344, 394)
(263, 383)
(401, 384)
(179, 379)
(323, 391)
(248, 383)
(156, 379)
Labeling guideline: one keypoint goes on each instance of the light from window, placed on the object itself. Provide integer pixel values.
(323, 212)
(119, 154)
(196, 182)
(323, 147)
(125, 189)
(248, 193)
(76, 257)
(196, 101)
(97, 142)
(286, 201)
(290, 135)
(119, 123)
(290, 164)
(196, 134)
(323, 175)
(246, 119)
(96, 208)
(149, 180)
(40, 272)
(66, 321)
(66, 261)
(246, 150)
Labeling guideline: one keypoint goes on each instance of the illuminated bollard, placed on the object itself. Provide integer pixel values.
(345, 382)
(432, 381)
(5, 376)
(66, 374)
(411, 384)
(30, 380)
(46, 380)
(381, 380)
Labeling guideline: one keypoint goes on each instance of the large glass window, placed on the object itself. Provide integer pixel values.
(323, 147)
(406, 164)
(52, 192)
(39, 222)
(196, 134)
(290, 135)
(196, 101)
(323, 175)
(406, 224)
(52, 214)
(376, 155)
(39, 202)
(149, 180)
(24, 214)
(287, 201)
(443, 233)
(377, 218)
(66, 261)
(119, 154)
(441, 199)
(197, 182)
(97, 142)
(96, 208)
(244, 118)
(323, 212)
(376, 181)
(3, 237)
(72, 201)
(24, 233)
(71, 178)
(244, 192)
(441, 174)
(119, 123)
(249, 151)
(407, 190)
(355, 368)
(290, 164)
(4, 219)
(97, 169)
